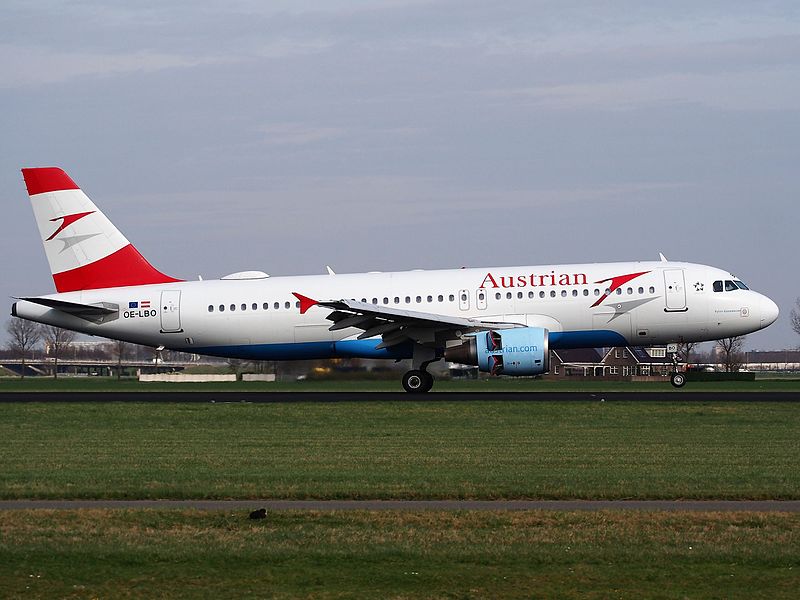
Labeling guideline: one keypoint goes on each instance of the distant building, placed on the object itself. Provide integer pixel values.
(627, 361)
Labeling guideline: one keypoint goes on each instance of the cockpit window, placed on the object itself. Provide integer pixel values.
(740, 284)
(718, 286)
(730, 286)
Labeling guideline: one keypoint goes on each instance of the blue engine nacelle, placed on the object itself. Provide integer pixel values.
(521, 351)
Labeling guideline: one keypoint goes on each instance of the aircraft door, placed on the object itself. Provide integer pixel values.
(171, 311)
(480, 299)
(674, 290)
(463, 299)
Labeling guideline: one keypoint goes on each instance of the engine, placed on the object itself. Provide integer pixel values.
(521, 351)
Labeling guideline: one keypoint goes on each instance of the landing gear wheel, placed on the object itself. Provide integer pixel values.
(417, 381)
(678, 380)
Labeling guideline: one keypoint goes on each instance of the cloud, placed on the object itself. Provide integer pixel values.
(34, 65)
(754, 90)
(297, 134)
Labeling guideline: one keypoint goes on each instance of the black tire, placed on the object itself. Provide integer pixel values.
(677, 380)
(417, 381)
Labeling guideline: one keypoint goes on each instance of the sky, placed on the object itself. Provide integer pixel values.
(391, 135)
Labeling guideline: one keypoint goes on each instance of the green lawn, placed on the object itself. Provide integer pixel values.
(502, 384)
(401, 450)
(190, 554)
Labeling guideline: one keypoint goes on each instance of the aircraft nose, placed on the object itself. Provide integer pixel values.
(769, 311)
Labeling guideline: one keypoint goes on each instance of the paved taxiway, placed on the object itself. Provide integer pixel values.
(416, 505)
(283, 397)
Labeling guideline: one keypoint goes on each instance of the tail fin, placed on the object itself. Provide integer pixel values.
(84, 249)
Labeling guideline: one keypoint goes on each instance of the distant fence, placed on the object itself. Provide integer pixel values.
(203, 378)
(704, 376)
(254, 377)
(185, 378)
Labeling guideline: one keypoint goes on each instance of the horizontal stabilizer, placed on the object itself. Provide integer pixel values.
(96, 313)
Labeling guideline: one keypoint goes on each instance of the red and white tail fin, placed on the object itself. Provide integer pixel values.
(84, 249)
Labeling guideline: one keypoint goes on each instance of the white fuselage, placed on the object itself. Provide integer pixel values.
(584, 305)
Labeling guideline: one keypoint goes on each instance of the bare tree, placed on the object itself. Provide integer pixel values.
(57, 340)
(119, 349)
(794, 316)
(731, 350)
(24, 337)
(685, 351)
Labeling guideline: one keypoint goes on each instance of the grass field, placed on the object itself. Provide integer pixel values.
(189, 554)
(401, 450)
(106, 384)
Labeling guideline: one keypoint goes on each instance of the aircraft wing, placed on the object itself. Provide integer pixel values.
(396, 325)
(96, 313)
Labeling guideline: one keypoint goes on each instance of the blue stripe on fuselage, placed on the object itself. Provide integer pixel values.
(308, 350)
(600, 338)
(366, 348)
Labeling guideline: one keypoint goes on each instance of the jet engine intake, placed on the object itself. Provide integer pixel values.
(521, 351)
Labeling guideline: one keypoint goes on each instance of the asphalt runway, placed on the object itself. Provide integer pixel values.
(415, 505)
(286, 397)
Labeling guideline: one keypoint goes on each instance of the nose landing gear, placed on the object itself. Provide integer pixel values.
(676, 378)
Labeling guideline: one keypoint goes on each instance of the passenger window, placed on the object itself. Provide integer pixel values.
(652, 290)
(497, 296)
(463, 297)
(374, 300)
(563, 293)
(619, 291)
(408, 299)
(265, 306)
(221, 308)
(553, 294)
(530, 294)
(440, 298)
(730, 286)
(244, 306)
(541, 294)
(574, 293)
(596, 292)
(288, 304)
(452, 298)
(508, 295)
(397, 299)
(386, 301)
(717, 286)
(641, 290)
(430, 298)
(210, 308)
(233, 307)
(419, 299)
(630, 291)
(276, 306)
(585, 292)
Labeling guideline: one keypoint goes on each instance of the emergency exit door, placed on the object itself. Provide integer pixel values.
(674, 290)
(171, 311)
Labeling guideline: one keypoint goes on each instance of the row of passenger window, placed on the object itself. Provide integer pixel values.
(253, 306)
(430, 298)
(575, 293)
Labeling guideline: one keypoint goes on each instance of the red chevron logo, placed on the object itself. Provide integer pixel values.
(66, 222)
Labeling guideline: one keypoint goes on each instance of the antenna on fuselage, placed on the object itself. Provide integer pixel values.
(662, 257)
(330, 271)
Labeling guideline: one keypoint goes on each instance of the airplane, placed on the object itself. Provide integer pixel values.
(504, 320)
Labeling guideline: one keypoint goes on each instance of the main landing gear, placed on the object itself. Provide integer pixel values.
(418, 380)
